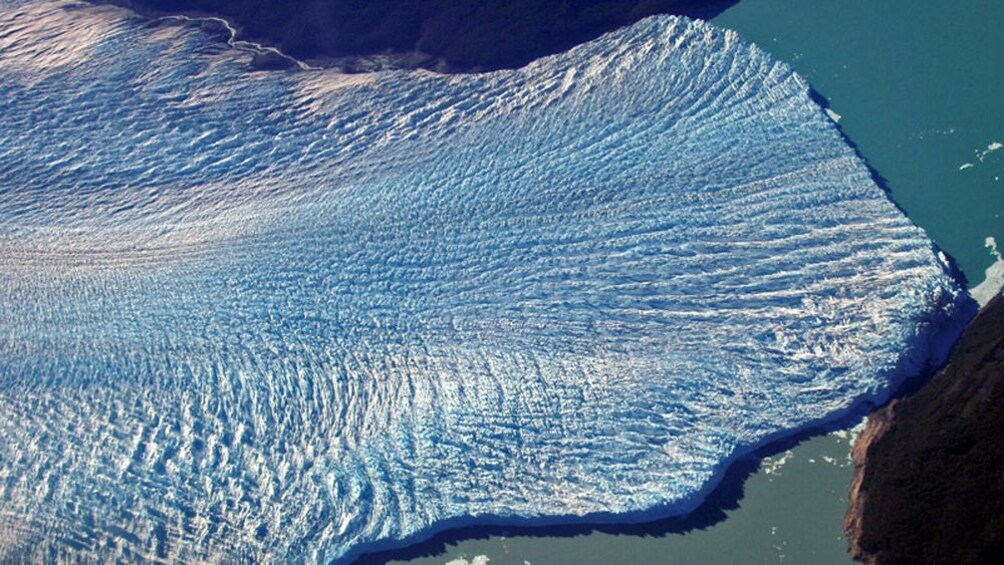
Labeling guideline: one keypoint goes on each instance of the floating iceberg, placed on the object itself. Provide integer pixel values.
(302, 315)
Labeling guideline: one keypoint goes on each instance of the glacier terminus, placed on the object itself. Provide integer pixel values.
(298, 316)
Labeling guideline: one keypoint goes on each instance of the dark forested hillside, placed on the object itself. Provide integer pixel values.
(446, 35)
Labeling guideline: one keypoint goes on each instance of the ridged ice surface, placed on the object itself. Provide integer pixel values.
(296, 316)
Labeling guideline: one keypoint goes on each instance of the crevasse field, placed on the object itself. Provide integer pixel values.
(297, 316)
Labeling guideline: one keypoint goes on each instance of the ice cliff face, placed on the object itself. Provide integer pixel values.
(295, 316)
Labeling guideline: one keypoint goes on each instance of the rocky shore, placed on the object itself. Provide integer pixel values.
(929, 469)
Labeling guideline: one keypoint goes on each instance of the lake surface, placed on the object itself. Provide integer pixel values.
(918, 89)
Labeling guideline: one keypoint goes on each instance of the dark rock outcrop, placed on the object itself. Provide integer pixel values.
(443, 35)
(929, 477)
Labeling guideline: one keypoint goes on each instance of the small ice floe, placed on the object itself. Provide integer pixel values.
(478, 560)
(994, 146)
(833, 115)
(993, 282)
(772, 465)
(851, 435)
(981, 154)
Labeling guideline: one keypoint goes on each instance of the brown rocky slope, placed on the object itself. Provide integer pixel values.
(929, 469)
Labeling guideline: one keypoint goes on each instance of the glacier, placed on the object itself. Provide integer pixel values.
(299, 316)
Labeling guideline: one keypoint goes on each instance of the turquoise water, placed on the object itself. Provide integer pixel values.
(919, 90)
(919, 86)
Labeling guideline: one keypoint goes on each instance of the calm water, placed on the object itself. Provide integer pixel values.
(918, 87)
